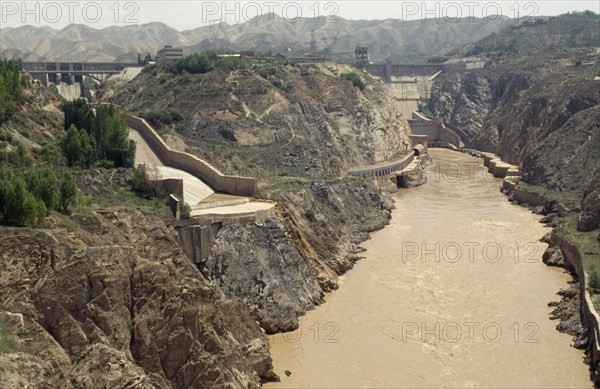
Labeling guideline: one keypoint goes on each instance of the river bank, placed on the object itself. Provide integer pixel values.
(395, 319)
(576, 311)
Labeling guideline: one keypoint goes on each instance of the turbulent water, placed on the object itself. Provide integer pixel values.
(452, 294)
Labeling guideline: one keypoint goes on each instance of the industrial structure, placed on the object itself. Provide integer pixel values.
(169, 53)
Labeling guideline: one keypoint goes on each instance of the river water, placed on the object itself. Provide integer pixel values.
(452, 294)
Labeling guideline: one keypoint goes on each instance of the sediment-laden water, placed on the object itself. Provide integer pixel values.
(452, 294)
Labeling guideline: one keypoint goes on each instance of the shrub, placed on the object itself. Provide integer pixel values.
(21, 207)
(355, 78)
(437, 59)
(22, 156)
(141, 183)
(185, 211)
(310, 214)
(43, 185)
(8, 340)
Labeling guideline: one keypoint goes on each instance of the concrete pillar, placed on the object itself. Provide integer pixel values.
(388, 70)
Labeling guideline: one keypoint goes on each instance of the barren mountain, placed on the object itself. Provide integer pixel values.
(395, 38)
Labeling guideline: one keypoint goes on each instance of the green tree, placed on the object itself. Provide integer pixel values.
(11, 88)
(79, 113)
(71, 145)
(22, 207)
(104, 138)
(67, 192)
(88, 148)
(22, 156)
(5, 193)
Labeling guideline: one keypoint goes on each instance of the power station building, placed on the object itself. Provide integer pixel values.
(168, 53)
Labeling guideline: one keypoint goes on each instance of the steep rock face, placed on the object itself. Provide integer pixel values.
(281, 268)
(589, 218)
(115, 294)
(474, 100)
(563, 159)
(258, 264)
(330, 219)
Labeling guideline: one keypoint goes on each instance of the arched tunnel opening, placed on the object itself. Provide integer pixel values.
(418, 150)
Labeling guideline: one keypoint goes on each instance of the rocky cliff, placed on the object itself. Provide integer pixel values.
(589, 217)
(281, 269)
(109, 300)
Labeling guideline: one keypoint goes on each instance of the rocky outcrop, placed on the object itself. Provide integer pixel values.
(589, 217)
(109, 300)
(281, 268)
(414, 174)
(567, 311)
(258, 264)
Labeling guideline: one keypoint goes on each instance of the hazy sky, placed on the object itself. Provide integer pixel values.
(190, 14)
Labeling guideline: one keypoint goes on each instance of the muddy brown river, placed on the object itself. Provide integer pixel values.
(452, 294)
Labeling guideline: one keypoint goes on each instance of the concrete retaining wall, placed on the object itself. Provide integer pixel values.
(242, 186)
(532, 198)
(589, 315)
(383, 170)
(436, 132)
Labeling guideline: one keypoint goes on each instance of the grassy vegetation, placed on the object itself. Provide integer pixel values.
(571, 199)
(205, 62)
(8, 340)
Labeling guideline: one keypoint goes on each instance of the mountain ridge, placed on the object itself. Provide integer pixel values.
(385, 38)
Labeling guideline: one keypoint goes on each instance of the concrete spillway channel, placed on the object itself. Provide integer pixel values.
(210, 211)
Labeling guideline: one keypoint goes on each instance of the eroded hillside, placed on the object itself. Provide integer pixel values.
(110, 300)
